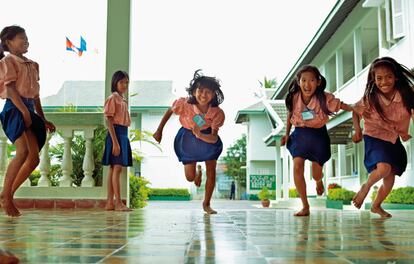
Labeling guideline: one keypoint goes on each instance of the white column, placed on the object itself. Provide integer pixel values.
(278, 171)
(45, 164)
(339, 69)
(3, 156)
(285, 174)
(358, 50)
(88, 161)
(341, 161)
(67, 166)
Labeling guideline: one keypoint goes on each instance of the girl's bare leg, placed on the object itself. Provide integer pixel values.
(110, 192)
(210, 184)
(30, 163)
(317, 175)
(198, 177)
(190, 171)
(6, 197)
(382, 170)
(383, 191)
(116, 183)
(300, 183)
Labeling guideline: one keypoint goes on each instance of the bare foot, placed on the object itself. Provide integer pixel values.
(209, 210)
(109, 206)
(320, 189)
(7, 257)
(8, 206)
(303, 212)
(360, 196)
(380, 211)
(122, 208)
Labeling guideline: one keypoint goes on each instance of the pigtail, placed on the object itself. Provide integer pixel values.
(1, 51)
(320, 94)
(293, 89)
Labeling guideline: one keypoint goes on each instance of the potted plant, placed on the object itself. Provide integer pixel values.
(264, 196)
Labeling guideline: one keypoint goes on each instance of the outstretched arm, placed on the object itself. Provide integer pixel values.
(158, 133)
(284, 139)
(346, 107)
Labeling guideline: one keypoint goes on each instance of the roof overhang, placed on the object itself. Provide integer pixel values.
(328, 28)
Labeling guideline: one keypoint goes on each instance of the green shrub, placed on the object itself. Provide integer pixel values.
(34, 177)
(138, 191)
(340, 194)
(293, 193)
(264, 194)
(168, 192)
(404, 195)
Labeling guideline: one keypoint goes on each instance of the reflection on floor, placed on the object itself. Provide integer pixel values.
(240, 233)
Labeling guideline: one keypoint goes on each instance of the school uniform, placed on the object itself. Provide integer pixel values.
(310, 139)
(187, 146)
(117, 108)
(382, 137)
(24, 73)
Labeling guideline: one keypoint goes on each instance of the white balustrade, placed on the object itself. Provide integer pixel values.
(45, 164)
(88, 161)
(67, 166)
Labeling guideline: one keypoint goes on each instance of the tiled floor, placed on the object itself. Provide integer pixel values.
(181, 233)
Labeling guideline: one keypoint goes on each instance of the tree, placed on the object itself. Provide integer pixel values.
(235, 160)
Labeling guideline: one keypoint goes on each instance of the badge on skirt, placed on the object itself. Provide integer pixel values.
(199, 120)
(308, 114)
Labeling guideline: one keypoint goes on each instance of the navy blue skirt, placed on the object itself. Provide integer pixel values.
(125, 157)
(378, 150)
(14, 126)
(190, 149)
(311, 144)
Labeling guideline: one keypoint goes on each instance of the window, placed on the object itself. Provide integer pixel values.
(369, 39)
(330, 74)
(392, 22)
(348, 70)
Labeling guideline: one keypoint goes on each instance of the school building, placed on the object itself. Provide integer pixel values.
(352, 35)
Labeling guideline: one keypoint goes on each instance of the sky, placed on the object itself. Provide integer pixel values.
(237, 41)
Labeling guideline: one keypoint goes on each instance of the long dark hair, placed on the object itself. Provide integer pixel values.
(319, 93)
(118, 75)
(211, 83)
(404, 84)
(8, 33)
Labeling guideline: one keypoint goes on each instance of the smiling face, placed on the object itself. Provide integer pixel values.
(308, 83)
(385, 80)
(122, 85)
(203, 96)
(19, 44)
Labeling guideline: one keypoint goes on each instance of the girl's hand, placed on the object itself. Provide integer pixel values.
(196, 131)
(27, 118)
(157, 136)
(284, 140)
(405, 137)
(357, 137)
(116, 149)
(50, 126)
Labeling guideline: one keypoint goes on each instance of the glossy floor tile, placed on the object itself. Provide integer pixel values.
(179, 232)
